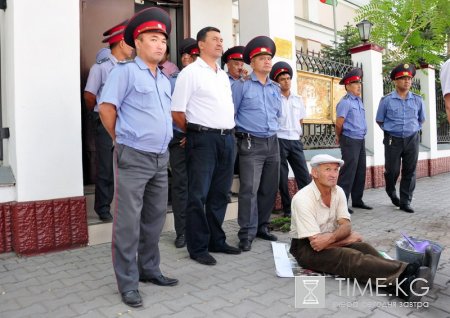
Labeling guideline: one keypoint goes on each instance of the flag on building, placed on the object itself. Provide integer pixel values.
(329, 2)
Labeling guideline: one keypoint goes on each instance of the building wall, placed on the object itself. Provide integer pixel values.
(41, 75)
(217, 13)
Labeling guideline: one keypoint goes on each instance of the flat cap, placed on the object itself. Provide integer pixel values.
(403, 70)
(280, 68)
(152, 19)
(352, 76)
(259, 46)
(320, 159)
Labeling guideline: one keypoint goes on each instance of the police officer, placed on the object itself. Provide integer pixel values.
(351, 128)
(233, 58)
(135, 110)
(119, 51)
(291, 147)
(401, 115)
(257, 103)
(179, 186)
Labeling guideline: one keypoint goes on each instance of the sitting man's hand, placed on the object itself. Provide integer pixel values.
(321, 241)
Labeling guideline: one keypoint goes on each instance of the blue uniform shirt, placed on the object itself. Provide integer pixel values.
(352, 109)
(173, 80)
(97, 76)
(144, 120)
(401, 117)
(257, 106)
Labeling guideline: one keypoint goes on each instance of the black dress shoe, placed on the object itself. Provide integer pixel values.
(205, 259)
(245, 245)
(226, 249)
(361, 205)
(161, 280)
(180, 241)
(406, 208)
(287, 214)
(132, 298)
(395, 200)
(105, 217)
(350, 211)
(265, 235)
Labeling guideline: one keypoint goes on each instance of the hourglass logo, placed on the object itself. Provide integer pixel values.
(309, 292)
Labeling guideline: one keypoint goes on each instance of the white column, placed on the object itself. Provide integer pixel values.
(272, 18)
(41, 66)
(428, 92)
(370, 56)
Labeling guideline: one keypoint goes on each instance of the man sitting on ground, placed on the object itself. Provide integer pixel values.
(323, 240)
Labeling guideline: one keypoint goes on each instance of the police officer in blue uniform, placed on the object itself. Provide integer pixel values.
(119, 51)
(234, 59)
(289, 134)
(135, 110)
(189, 51)
(351, 128)
(257, 103)
(401, 115)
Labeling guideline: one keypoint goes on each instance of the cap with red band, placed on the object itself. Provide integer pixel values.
(235, 53)
(152, 19)
(259, 46)
(354, 75)
(403, 70)
(189, 46)
(280, 68)
(115, 34)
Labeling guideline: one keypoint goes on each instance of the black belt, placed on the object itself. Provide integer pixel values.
(203, 129)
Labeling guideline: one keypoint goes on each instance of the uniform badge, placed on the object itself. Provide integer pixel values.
(406, 66)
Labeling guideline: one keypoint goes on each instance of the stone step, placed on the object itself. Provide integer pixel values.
(100, 232)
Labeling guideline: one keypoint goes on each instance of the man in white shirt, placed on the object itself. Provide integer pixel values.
(323, 240)
(203, 107)
(289, 132)
(445, 84)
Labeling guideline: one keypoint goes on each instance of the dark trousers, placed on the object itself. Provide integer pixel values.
(259, 166)
(291, 151)
(140, 214)
(358, 260)
(104, 184)
(352, 176)
(179, 181)
(210, 172)
(404, 152)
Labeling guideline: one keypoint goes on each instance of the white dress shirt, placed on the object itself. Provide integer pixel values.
(293, 111)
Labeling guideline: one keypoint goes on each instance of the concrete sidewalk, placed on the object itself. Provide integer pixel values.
(81, 283)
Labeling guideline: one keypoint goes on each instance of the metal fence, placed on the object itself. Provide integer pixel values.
(442, 126)
(316, 136)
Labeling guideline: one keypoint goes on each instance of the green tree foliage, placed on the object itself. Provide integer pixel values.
(414, 31)
(348, 38)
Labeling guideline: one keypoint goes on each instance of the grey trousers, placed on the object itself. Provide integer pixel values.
(358, 260)
(259, 169)
(141, 205)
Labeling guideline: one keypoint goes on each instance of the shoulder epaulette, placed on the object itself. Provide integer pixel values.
(103, 60)
(417, 95)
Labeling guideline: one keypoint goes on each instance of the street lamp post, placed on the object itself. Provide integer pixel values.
(364, 28)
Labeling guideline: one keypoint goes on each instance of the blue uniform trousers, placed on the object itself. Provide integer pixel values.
(141, 205)
(292, 151)
(179, 185)
(352, 176)
(104, 183)
(210, 172)
(404, 152)
(259, 165)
